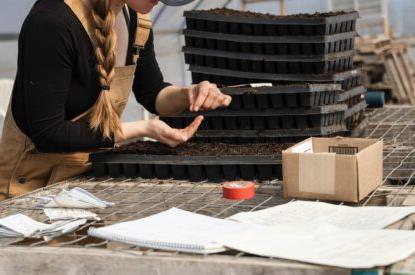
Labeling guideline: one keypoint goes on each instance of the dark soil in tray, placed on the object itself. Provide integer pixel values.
(232, 13)
(201, 149)
(257, 24)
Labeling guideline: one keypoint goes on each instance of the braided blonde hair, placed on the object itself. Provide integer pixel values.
(104, 116)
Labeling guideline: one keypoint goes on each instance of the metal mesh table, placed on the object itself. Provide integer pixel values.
(138, 198)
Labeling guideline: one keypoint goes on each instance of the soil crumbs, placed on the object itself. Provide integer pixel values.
(230, 13)
(202, 149)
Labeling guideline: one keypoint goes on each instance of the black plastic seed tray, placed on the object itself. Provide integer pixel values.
(260, 123)
(347, 82)
(352, 96)
(282, 96)
(239, 77)
(237, 22)
(272, 64)
(271, 45)
(291, 96)
(195, 168)
(285, 118)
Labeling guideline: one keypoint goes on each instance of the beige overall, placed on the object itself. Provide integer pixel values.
(22, 167)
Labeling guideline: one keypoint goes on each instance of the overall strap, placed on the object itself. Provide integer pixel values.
(144, 25)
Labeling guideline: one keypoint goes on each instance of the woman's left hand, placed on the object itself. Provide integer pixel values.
(206, 96)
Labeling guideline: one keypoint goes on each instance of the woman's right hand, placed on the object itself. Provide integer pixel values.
(158, 130)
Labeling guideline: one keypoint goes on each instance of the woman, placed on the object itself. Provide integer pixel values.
(78, 61)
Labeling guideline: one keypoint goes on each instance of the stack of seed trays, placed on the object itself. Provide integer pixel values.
(233, 47)
(283, 113)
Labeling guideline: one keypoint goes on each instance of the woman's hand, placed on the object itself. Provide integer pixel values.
(158, 130)
(206, 96)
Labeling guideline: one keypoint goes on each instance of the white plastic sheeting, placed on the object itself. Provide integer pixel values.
(6, 86)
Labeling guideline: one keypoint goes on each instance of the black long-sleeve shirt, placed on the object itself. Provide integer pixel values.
(57, 80)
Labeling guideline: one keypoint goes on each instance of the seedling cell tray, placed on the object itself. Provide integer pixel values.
(239, 77)
(194, 168)
(275, 45)
(287, 96)
(235, 22)
(297, 118)
(271, 64)
(348, 81)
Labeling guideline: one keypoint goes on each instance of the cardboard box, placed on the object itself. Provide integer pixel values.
(337, 169)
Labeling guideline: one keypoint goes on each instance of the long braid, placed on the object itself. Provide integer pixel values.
(104, 117)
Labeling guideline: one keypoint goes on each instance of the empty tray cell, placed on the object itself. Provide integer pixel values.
(146, 171)
(287, 122)
(162, 171)
(130, 170)
(115, 170)
(272, 122)
(244, 123)
(259, 123)
(265, 172)
(195, 173)
(231, 123)
(230, 172)
(277, 100)
(179, 172)
(247, 172)
(248, 101)
(301, 122)
(291, 100)
(217, 122)
(99, 170)
(262, 101)
(213, 172)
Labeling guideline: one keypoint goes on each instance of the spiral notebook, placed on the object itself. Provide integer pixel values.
(175, 230)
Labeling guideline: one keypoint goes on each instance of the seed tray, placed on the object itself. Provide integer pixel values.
(268, 45)
(352, 96)
(192, 56)
(261, 123)
(283, 136)
(291, 96)
(346, 83)
(268, 65)
(195, 168)
(282, 96)
(234, 77)
(237, 22)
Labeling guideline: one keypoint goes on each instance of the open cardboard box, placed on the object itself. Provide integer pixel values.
(337, 169)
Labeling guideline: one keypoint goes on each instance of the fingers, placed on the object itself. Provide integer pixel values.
(174, 137)
(202, 91)
(209, 97)
(190, 130)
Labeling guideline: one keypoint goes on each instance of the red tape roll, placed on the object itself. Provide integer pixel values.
(238, 190)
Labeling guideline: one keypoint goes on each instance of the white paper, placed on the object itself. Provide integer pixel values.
(61, 227)
(317, 213)
(174, 229)
(306, 147)
(20, 225)
(77, 198)
(259, 85)
(326, 245)
(69, 214)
